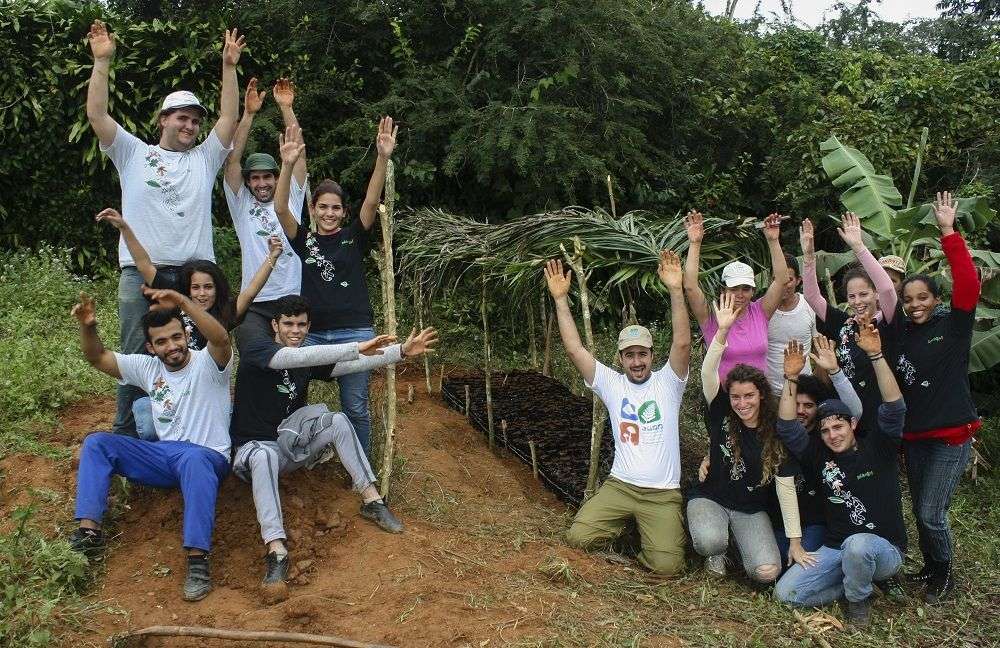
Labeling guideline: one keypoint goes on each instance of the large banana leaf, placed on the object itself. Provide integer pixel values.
(985, 350)
(870, 195)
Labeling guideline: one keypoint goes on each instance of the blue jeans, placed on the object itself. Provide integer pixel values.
(195, 469)
(846, 572)
(142, 412)
(812, 539)
(131, 307)
(933, 469)
(353, 387)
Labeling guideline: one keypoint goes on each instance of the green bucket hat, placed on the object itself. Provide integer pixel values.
(259, 162)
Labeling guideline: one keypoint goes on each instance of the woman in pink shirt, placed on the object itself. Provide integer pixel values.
(748, 336)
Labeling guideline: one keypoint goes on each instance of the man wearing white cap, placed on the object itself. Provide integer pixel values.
(748, 336)
(644, 407)
(166, 187)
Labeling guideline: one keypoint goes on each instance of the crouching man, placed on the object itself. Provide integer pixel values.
(865, 536)
(275, 432)
(189, 391)
(644, 406)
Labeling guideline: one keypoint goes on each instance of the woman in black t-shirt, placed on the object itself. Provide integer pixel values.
(333, 273)
(744, 457)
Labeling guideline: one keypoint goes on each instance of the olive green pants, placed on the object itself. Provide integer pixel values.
(657, 512)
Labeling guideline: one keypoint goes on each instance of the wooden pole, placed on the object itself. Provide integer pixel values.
(246, 635)
(409, 393)
(386, 213)
(487, 366)
(467, 401)
(820, 641)
(547, 328)
(441, 381)
(597, 411)
(534, 458)
(532, 346)
(503, 431)
(611, 197)
(419, 305)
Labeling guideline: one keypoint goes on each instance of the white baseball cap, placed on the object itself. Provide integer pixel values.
(182, 99)
(635, 335)
(738, 273)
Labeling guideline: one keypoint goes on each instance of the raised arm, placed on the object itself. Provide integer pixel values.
(102, 46)
(229, 100)
(139, 254)
(284, 96)
(788, 427)
(965, 285)
(216, 334)
(292, 148)
(90, 342)
(259, 278)
(385, 142)
(779, 267)
(415, 345)
(725, 315)
(824, 356)
(810, 283)
(252, 102)
(558, 283)
(672, 278)
(695, 228)
(870, 341)
(850, 233)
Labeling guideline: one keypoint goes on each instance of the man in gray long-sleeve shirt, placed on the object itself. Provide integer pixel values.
(272, 385)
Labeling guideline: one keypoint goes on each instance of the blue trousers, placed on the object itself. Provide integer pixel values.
(195, 469)
(812, 539)
(846, 572)
(353, 387)
(131, 307)
(933, 470)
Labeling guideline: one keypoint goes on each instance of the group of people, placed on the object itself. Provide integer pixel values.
(807, 406)
(303, 312)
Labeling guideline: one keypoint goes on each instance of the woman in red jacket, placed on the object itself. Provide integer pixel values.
(941, 418)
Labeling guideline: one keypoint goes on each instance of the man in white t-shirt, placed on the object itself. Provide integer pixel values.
(644, 408)
(189, 391)
(166, 187)
(793, 319)
(249, 189)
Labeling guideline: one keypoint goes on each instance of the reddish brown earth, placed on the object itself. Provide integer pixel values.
(465, 572)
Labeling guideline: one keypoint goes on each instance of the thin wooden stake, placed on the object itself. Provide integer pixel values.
(420, 327)
(547, 328)
(534, 458)
(441, 381)
(611, 197)
(409, 393)
(503, 431)
(386, 213)
(820, 641)
(246, 635)
(532, 346)
(467, 401)
(487, 366)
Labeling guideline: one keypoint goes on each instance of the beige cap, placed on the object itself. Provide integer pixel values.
(635, 335)
(893, 262)
(182, 99)
(738, 273)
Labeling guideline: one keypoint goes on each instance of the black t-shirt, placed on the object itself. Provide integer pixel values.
(860, 486)
(734, 485)
(333, 276)
(840, 327)
(265, 397)
(933, 371)
(808, 492)
(172, 281)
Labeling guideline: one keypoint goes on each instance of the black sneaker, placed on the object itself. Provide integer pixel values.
(89, 542)
(380, 514)
(275, 568)
(859, 613)
(940, 583)
(923, 575)
(198, 583)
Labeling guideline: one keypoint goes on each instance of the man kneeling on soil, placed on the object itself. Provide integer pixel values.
(189, 391)
(865, 536)
(272, 383)
(644, 408)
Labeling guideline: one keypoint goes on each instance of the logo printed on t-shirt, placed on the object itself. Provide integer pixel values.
(162, 395)
(157, 179)
(628, 410)
(628, 432)
(649, 412)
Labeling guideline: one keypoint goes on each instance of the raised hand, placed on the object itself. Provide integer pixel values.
(850, 230)
(111, 216)
(772, 227)
(945, 211)
(232, 47)
(375, 345)
(557, 281)
(163, 299)
(669, 271)
(795, 359)
(824, 353)
(102, 42)
(274, 247)
(868, 337)
(419, 343)
(291, 145)
(806, 239)
(385, 141)
(253, 100)
(284, 93)
(726, 311)
(694, 225)
(84, 310)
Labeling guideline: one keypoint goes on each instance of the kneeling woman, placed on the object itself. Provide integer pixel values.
(744, 458)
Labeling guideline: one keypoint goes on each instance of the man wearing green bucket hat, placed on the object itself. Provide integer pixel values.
(249, 189)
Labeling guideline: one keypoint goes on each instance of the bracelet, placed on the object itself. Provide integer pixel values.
(877, 356)
(834, 373)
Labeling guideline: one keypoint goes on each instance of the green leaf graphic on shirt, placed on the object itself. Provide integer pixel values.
(282, 389)
(153, 183)
(163, 420)
(310, 260)
(836, 500)
(261, 233)
(649, 412)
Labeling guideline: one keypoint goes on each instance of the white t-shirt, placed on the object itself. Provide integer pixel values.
(167, 197)
(191, 404)
(644, 422)
(255, 222)
(798, 323)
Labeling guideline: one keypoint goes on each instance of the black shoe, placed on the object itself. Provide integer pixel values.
(380, 514)
(198, 583)
(859, 614)
(892, 588)
(89, 542)
(940, 583)
(276, 568)
(923, 575)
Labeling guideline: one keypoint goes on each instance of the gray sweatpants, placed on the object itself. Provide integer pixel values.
(710, 525)
(260, 463)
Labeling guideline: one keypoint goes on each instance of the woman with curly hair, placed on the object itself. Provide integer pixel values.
(745, 455)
